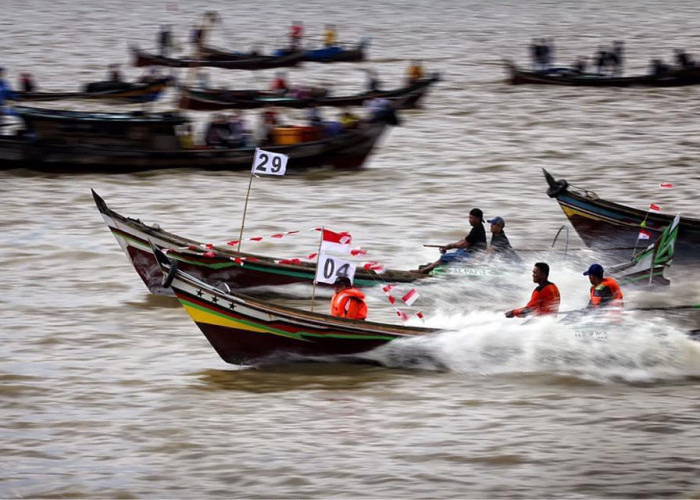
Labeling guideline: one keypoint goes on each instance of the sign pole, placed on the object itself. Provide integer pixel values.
(245, 209)
(318, 258)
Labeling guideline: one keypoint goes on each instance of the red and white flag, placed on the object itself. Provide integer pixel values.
(335, 243)
(644, 235)
(666, 185)
(410, 297)
(654, 208)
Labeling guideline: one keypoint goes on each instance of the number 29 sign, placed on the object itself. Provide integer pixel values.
(266, 163)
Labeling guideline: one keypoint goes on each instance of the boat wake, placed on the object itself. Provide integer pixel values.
(636, 350)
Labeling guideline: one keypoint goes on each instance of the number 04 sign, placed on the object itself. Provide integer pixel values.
(329, 268)
(266, 163)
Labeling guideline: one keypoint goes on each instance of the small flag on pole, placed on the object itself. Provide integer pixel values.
(338, 243)
(644, 235)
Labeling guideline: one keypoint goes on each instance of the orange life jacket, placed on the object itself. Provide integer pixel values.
(349, 303)
(607, 293)
(545, 300)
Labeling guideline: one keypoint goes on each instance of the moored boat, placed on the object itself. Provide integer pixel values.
(71, 141)
(218, 99)
(142, 58)
(219, 264)
(672, 78)
(109, 90)
(604, 224)
(246, 330)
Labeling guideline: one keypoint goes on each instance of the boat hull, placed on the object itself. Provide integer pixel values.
(604, 224)
(219, 264)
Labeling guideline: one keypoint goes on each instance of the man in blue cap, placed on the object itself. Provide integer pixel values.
(605, 292)
(499, 241)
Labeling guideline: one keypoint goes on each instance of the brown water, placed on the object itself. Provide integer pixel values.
(107, 391)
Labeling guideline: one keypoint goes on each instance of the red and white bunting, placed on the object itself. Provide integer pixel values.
(410, 297)
(374, 266)
(358, 251)
(654, 208)
(666, 185)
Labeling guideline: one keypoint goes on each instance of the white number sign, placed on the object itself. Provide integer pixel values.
(266, 163)
(329, 268)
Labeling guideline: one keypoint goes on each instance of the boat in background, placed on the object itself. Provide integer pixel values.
(107, 90)
(561, 76)
(603, 224)
(217, 99)
(245, 330)
(142, 58)
(218, 264)
(335, 53)
(62, 141)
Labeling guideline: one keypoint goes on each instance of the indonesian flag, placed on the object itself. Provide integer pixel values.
(654, 208)
(335, 243)
(666, 185)
(410, 297)
(644, 235)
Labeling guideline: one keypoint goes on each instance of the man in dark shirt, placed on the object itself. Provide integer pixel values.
(475, 241)
(500, 245)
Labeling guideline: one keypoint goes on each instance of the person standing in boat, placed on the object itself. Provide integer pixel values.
(296, 34)
(114, 74)
(605, 292)
(6, 93)
(165, 41)
(330, 36)
(500, 245)
(545, 298)
(415, 72)
(465, 248)
(26, 82)
(348, 302)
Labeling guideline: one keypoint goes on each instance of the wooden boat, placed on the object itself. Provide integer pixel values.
(141, 58)
(71, 141)
(220, 264)
(604, 224)
(113, 91)
(562, 76)
(246, 330)
(218, 99)
(336, 53)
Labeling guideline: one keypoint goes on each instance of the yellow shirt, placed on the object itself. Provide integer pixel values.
(329, 37)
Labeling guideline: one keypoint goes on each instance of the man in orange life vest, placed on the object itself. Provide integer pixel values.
(604, 291)
(348, 302)
(545, 298)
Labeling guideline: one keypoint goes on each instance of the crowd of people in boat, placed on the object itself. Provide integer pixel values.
(232, 130)
(607, 61)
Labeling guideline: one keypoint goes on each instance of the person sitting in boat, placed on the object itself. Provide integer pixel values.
(605, 292)
(373, 82)
(185, 136)
(296, 34)
(217, 134)
(330, 36)
(267, 122)
(279, 84)
(26, 82)
(114, 74)
(500, 245)
(658, 67)
(313, 115)
(238, 131)
(415, 72)
(466, 247)
(683, 59)
(545, 298)
(349, 120)
(579, 66)
(348, 302)
(6, 93)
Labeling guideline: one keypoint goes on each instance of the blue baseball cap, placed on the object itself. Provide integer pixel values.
(595, 270)
(498, 220)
